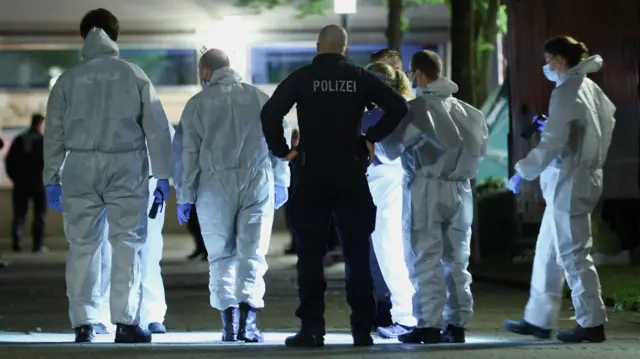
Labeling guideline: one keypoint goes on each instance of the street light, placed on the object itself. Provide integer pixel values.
(344, 8)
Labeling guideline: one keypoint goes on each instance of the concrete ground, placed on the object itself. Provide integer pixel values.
(34, 322)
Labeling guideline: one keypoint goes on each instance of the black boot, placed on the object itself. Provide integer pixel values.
(302, 339)
(85, 333)
(157, 328)
(230, 324)
(453, 334)
(422, 335)
(248, 331)
(132, 334)
(580, 334)
(523, 327)
(361, 338)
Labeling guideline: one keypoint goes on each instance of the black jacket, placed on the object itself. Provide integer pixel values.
(25, 160)
(331, 95)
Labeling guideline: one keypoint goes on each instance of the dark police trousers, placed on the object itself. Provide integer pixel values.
(321, 189)
(21, 196)
(383, 295)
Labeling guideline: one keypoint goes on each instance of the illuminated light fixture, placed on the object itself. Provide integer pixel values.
(344, 7)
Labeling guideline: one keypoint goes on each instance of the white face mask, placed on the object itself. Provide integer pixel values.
(551, 75)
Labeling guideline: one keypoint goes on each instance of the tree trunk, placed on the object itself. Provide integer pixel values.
(394, 24)
(462, 54)
(486, 32)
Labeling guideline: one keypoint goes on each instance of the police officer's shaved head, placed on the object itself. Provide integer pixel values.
(214, 59)
(332, 39)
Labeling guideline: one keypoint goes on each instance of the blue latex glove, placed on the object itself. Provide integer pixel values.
(54, 196)
(282, 195)
(184, 212)
(514, 183)
(541, 121)
(162, 189)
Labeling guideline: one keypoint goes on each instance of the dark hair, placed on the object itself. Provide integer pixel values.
(569, 48)
(214, 59)
(428, 62)
(388, 56)
(102, 19)
(36, 120)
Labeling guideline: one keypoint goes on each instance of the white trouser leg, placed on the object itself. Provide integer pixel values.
(255, 220)
(385, 183)
(126, 199)
(427, 246)
(105, 278)
(457, 250)
(84, 221)
(217, 207)
(154, 306)
(547, 277)
(574, 247)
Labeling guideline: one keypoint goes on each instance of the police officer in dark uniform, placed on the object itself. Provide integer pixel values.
(329, 176)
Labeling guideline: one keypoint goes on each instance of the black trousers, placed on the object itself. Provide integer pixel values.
(317, 195)
(383, 295)
(21, 197)
(194, 228)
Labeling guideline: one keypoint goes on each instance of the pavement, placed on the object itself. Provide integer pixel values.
(34, 321)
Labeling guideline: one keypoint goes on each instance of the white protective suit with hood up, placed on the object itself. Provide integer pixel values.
(441, 142)
(101, 112)
(385, 183)
(228, 172)
(569, 160)
(153, 307)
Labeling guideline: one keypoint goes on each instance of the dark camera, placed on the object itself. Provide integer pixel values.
(533, 126)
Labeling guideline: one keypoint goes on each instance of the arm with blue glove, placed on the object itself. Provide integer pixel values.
(190, 130)
(54, 148)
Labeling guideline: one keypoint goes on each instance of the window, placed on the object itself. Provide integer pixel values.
(35, 69)
(272, 64)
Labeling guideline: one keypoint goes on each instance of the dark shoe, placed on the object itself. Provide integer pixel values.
(523, 327)
(305, 340)
(132, 334)
(247, 330)
(580, 334)
(393, 331)
(453, 334)
(85, 333)
(362, 339)
(422, 335)
(230, 320)
(290, 250)
(100, 328)
(157, 328)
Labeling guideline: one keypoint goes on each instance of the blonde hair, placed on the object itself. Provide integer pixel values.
(392, 77)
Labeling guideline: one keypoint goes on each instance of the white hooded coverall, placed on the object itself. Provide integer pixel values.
(385, 184)
(228, 172)
(569, 161)
(153, 307)
(442, 141)
(102, 112)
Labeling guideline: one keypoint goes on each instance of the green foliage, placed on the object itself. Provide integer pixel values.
(490, 186)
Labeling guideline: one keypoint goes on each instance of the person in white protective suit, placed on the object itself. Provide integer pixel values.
(101, 113)
(569, 159)
(441, 143)
(153, 307)
(235, 183)
(385, 183)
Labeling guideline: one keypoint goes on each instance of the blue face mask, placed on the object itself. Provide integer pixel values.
(204, 84)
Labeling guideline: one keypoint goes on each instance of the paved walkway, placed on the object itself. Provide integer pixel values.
(34, 322)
